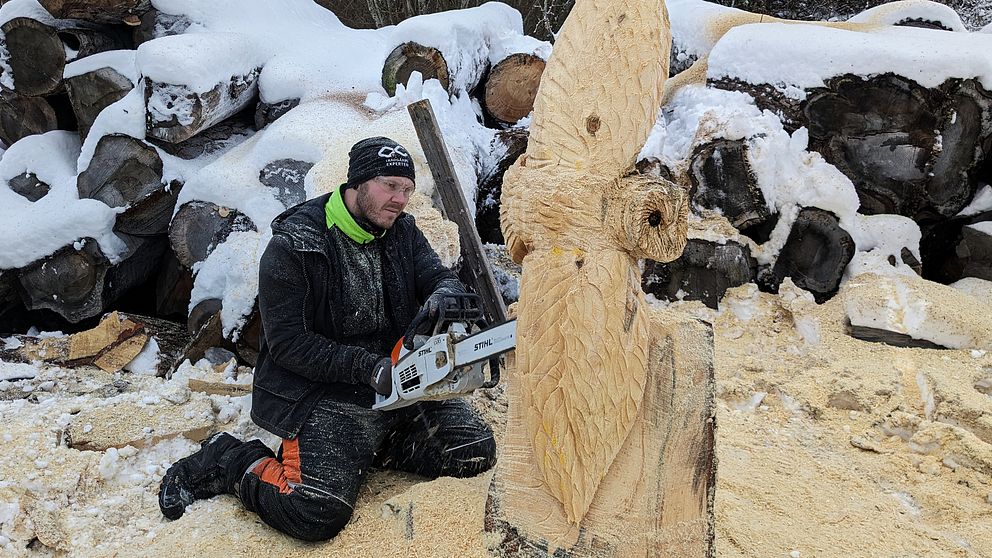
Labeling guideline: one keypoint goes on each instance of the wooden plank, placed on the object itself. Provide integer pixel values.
(474, 270)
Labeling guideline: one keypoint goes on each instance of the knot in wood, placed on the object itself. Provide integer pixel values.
(592, 124)
(648, 218)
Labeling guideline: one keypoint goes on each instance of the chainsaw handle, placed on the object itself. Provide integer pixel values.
(493, 373)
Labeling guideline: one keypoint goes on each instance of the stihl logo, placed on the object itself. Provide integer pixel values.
(482, 344)
(389, 152)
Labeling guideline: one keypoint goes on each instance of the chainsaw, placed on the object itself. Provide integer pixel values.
(456, 359)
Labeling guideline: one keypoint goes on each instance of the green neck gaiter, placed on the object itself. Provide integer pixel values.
(337, 215)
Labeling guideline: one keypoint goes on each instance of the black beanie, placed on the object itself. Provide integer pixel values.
(378, 156)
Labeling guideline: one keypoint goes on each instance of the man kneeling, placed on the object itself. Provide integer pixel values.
(341, 280)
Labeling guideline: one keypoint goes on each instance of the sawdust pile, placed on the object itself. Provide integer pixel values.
(827, 446)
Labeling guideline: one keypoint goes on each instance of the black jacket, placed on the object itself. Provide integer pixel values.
(325, 321)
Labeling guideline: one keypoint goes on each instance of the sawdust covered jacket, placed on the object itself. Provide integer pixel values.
(331, 307)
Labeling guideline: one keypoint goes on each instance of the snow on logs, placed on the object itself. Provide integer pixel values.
(96, 82)
(194, 81)
(40, 50)
(126, 173)
(482, 49)
(910, 126)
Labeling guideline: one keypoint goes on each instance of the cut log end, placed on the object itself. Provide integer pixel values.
(70, 281)
(512, 87)
(94, 91)
(815, 254)
(22, 116)
(37, 56)
(413, 57)
(198, 227)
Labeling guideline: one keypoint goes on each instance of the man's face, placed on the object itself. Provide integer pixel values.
(382, 199)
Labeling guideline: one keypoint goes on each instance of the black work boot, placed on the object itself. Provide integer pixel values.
(198, 476)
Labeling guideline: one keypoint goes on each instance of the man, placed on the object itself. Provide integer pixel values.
(339, 283)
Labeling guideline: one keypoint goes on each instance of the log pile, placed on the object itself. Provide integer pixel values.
(917, 151)
(79, 68)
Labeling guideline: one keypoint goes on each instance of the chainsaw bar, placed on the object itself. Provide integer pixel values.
(486, 344)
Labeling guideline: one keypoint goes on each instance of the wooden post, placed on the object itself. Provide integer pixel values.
(475, 270)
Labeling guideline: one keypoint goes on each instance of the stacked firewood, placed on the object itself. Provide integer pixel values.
(76, 66)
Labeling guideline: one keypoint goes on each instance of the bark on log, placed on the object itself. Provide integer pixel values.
(216, 139)
(815, 254)
(512, 86)
(201, 314)
(413, 57)
(507, 146)
(22, 116)
(173, 287)
(28, 185)
(877, 335)
(722, 179)
(608, 450)
(126, 172)
(110, 346)
(250, 337)
(98, 11)
(174, 113)
(38, 51)
(94, 91)
(198, 227)
(155, 24)
(939, 248)
(82, 283)
(285, 178)
(267, 113)
(704, 272)
(170, 337)
(9, 297)
(975, 251)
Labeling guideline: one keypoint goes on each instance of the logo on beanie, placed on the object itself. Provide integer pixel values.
(388, 152)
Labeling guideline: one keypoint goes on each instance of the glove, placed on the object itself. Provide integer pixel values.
(425, 320)
(382, 377)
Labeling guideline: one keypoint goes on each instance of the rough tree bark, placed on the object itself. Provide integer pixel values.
(608, 450)
(38, 51)
(175, 113)
(98, 11)
(506, 147)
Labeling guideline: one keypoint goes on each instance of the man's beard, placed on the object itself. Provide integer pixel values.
(373, 215)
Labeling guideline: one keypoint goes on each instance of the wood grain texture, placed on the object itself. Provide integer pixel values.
(657, 497)
(609, 446)
(599, 94)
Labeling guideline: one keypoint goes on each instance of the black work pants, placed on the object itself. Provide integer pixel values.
(309, 491)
